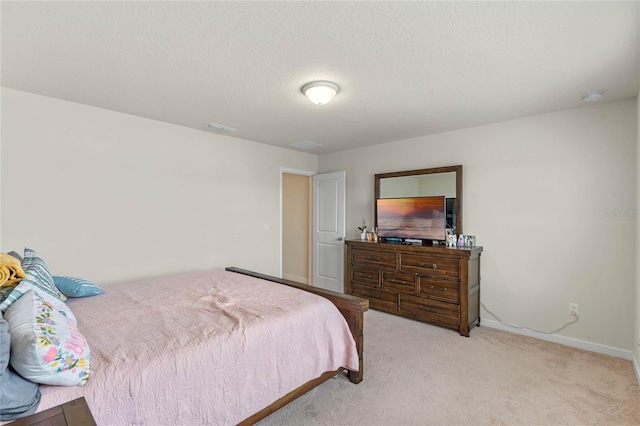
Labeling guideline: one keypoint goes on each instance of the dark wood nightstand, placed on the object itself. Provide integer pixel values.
(72, 413)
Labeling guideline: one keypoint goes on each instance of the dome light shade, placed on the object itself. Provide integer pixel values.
(320, 92)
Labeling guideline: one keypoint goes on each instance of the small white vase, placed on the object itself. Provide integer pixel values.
(363, 235)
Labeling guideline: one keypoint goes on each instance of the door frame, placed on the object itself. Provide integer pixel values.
(309, 173)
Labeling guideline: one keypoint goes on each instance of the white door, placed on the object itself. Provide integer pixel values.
(328, 230)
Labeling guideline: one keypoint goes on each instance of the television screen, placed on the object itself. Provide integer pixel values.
(414, 218)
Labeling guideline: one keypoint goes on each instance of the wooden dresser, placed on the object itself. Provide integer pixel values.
(439, 285)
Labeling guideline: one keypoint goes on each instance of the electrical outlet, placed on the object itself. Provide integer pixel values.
(573, 309)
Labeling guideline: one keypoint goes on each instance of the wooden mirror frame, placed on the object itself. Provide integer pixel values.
(457, 169)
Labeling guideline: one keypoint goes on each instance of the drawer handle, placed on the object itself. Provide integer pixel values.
(426, 308)
(433, 265)
(377, 259)
(431, 287)
(393, 280)
(361, 275)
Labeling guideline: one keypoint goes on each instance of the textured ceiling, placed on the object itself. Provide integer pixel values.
(406, 69)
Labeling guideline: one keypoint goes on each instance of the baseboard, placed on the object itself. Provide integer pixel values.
(567, 341)
(636, 367)
(295, 278)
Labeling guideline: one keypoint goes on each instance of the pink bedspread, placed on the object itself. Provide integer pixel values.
(202, 348)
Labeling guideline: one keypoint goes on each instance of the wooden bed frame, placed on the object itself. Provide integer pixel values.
(351, 307)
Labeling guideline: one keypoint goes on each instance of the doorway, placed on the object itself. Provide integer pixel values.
(296, 225)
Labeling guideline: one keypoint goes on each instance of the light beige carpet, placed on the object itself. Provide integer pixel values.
(419, 374)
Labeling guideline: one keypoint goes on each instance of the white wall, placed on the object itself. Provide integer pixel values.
(537, 193)
(110, 196)
(0, 170)
(637, 298)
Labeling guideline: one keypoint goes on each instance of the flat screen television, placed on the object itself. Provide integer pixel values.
(419, 218)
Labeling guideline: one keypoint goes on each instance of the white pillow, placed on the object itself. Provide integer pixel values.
(46, 345)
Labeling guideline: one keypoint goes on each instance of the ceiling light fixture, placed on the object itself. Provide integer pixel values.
(320, 92)
(593, 96)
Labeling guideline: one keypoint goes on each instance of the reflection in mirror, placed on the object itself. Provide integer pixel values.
(446, 181)
(419, 186)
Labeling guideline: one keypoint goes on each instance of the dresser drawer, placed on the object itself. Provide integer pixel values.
(399, 281)
(372, 258)
(366, 277)
(429, 310)
(378, 298)
(447, 291)
(430, 265)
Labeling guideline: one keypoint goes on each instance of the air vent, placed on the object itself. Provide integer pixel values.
(593, 96)
(305, 145)
(220, 128)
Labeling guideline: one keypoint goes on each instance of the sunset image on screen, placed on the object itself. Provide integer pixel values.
(417, 217)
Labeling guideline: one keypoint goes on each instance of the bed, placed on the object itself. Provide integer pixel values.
(210, 347)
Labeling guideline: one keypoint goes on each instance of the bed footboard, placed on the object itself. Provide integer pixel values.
(352, 309)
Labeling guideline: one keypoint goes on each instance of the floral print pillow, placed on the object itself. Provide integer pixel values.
(46, 345)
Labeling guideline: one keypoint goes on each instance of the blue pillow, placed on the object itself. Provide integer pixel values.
(76, 287)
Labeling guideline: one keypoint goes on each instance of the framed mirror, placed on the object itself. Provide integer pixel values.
(438, 181)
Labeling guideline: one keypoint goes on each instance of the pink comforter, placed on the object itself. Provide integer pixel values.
(202, 348)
